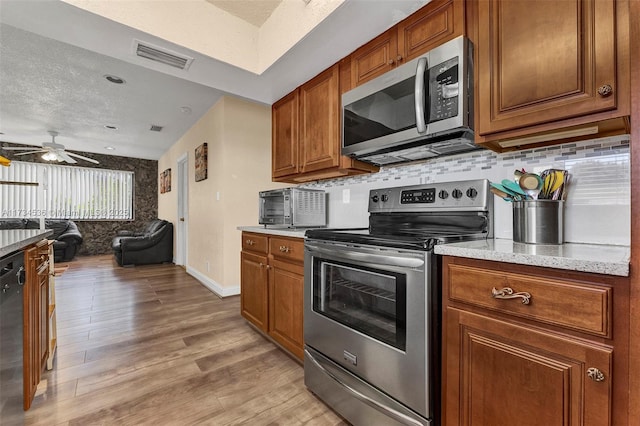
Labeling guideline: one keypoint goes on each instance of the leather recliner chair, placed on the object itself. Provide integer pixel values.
(153, 245)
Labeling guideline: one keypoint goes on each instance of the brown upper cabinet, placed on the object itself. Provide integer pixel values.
(306, 133)
(550, 71)
(434, 24)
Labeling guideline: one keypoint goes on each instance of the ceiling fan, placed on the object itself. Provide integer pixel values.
(52, 151)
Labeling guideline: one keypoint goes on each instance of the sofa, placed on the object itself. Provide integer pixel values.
(154, 244)
(66, 236)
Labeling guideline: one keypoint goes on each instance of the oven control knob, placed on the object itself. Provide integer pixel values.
(374, 198)
(384, 197)
(457, 194)
(443, 194)
(472, 193)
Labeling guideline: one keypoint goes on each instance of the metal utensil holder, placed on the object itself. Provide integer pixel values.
(538, 221)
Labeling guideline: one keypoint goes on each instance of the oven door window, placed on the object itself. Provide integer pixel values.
(368, 300)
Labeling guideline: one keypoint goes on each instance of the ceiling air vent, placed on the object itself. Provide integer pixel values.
(164, 56)
(155, 128)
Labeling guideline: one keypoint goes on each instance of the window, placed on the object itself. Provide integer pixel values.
(66, 192)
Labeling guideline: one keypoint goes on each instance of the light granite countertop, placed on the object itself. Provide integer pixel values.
(599, 259)
(16, 239)
(274, 230)
(595, 258)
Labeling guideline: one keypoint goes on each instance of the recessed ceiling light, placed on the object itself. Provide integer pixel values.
(110, 127)
(110, 148)
(114, 79)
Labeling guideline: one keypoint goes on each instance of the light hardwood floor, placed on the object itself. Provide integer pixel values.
(151, 345)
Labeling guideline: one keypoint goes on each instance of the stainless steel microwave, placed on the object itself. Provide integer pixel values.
(418, 110)
(293, 207)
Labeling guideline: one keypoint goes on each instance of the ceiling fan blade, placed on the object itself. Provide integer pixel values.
(65, 157)
(91, 160)
(31, 152)
(19, 148)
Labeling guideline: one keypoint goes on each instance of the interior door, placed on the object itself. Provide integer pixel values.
(183, 211)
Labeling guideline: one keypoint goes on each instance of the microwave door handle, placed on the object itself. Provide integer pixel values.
(420, 99)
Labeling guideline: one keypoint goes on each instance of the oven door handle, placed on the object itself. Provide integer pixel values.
(402, 418)
(375, 259)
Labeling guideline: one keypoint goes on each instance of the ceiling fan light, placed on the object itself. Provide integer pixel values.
(50, 156)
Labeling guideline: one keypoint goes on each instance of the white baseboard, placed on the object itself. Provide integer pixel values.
(212, 285)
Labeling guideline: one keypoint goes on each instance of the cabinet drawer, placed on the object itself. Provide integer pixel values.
(287, 248)
(255, 242)
(584, 307)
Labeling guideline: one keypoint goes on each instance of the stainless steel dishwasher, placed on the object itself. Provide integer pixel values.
(11, 333)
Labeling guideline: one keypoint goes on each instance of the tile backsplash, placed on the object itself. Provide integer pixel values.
(597, 208)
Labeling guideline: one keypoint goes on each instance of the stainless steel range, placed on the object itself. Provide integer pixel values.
(372, 301)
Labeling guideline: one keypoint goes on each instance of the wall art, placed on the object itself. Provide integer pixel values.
(201, 162)
(165, 181)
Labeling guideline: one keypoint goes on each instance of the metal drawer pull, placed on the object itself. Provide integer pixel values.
(284, 249)
(595, 374)
(508, 293)
(250, 242)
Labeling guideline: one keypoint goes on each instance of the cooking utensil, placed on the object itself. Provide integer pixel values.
(501, 194)
(531, 184)
(513, 195)
(552, 180)
(514, 187)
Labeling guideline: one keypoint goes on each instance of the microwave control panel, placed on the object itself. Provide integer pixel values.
(444, 89)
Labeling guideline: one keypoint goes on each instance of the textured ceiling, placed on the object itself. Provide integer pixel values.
(62, 88)
(53, 57)
(255, 12)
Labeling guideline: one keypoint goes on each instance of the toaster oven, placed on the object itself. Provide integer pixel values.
(293, 208)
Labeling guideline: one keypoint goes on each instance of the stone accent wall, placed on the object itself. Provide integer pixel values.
(98, 234)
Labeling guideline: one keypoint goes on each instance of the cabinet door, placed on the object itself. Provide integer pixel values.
(500, 374)
(43, 315)
(284, 129)
(254, 300)
(31, 372)
(541, 61)
(374, 58)
(320, 121)
(434, 24)
(286, 285)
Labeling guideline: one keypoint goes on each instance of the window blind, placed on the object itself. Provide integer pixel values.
(69, 192)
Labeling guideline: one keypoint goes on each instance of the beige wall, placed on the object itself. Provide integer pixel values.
(238, 134)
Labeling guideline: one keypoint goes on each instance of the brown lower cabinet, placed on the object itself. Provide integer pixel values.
(532, 346)
(271, 281)
(36, 318)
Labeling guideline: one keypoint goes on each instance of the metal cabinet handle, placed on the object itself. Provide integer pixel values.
(605, 90)
(263, 265)
(399, 58)
(390, 62)
(285, 249)
(250, 242)
(508, 293)
(595, 374)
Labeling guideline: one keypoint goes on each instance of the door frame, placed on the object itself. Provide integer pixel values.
(182, 217)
